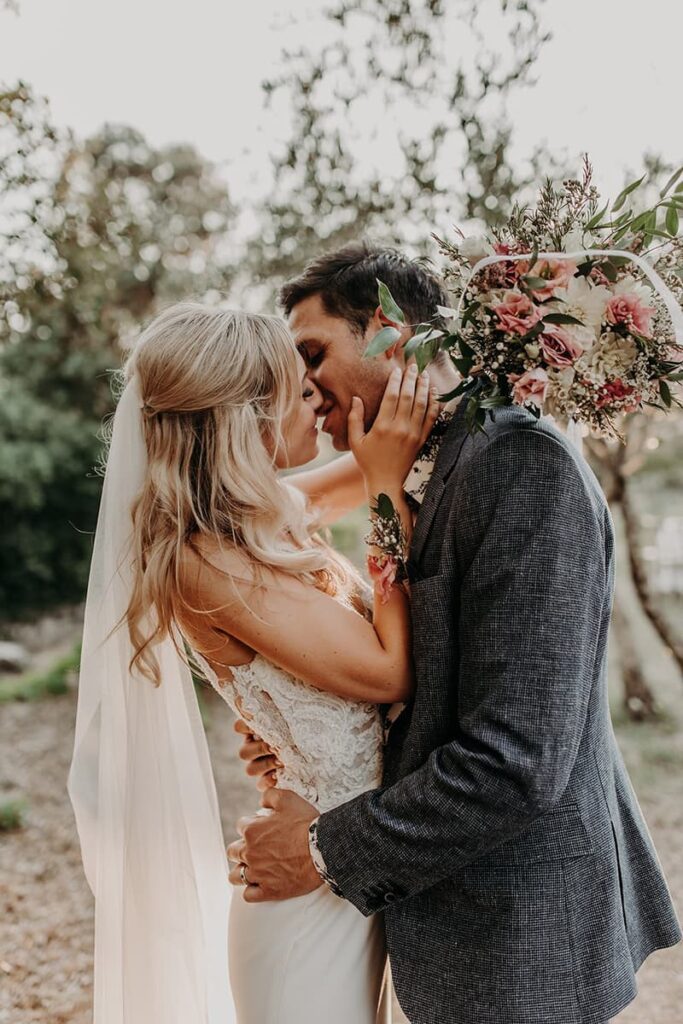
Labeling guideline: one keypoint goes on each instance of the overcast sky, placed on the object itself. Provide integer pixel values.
(610, 82)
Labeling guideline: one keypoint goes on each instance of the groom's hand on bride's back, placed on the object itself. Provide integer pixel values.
(260, 761)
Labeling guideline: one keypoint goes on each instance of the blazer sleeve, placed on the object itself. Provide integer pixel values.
(532, 565)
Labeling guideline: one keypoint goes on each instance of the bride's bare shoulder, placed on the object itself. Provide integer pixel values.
(209, 562)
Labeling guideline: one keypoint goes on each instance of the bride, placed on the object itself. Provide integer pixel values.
(207, 557)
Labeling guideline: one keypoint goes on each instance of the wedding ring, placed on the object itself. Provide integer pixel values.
(243, 874)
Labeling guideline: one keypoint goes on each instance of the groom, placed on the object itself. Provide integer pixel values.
(505, 846)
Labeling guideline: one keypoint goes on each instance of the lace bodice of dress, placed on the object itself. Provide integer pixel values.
(330, 746)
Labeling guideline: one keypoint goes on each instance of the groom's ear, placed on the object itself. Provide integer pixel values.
(383, 321)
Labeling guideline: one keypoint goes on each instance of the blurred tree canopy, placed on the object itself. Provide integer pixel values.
(98, 234)
(435, 82)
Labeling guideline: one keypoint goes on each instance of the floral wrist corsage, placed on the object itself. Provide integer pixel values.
(389, 567)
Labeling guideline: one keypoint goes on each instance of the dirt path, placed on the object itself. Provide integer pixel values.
(46, 907)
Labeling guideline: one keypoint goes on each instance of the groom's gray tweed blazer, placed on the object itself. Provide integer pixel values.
(506, 846)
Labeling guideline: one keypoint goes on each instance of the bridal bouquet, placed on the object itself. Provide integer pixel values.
(562, 310)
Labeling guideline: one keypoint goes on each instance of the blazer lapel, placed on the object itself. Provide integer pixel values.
(448, 456)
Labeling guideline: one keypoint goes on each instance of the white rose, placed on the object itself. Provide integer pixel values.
(631, 286)
(475, 248)
(586, 301)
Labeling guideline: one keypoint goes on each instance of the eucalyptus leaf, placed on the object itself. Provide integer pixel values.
(562, 318)
(534, 282)
(447, 312)
(383, 340)
(621, 198)
(672, 181)
(596, 218)
(425, 353)
(609, 270)
(665, 392)
(390, 307)
(672, 221)
(677, 378)
(411, 345)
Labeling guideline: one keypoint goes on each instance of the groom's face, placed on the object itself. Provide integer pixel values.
(333, 352)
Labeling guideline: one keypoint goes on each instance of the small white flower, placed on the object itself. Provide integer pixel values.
(573, 240)
(475, 248)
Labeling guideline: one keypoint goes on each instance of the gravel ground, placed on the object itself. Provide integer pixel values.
(46, 907)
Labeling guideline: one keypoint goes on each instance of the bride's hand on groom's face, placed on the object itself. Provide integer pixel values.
(260, 761)
(405, 418)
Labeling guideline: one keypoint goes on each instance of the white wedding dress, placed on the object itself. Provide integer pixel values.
(313, 959)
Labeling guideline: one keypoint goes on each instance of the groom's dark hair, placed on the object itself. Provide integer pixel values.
(346, 281)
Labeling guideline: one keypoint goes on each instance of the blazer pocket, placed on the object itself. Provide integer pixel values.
(559, 834)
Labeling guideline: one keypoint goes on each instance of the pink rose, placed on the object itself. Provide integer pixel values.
(628, 310)
(529, 387)
(558, 274)
(559, 348)
(516, 314)
(382, 569)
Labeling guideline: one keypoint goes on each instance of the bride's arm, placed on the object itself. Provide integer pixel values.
(306, 631)
(333, 489)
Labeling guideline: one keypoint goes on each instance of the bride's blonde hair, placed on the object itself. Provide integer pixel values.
(217, 386)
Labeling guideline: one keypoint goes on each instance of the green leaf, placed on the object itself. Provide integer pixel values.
(665, 392)
(562, 318)
(639, 222)
(621, 198)
(425, 354)
(534, 282)
(672, 221)
(463, 387)
(609, 270)
(385, 506)
(596, 218)
(383, 340)
(672, 181)
(494, 402)
(677, 378)
(390, 307)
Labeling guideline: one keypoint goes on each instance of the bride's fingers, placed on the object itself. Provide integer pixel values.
(355, 426)
(387, 408)
(267, 781)
(431, 414)
(421, 400)
(243, 729)
(263, 765)
(406, 398)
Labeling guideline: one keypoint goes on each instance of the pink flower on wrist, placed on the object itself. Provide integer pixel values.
(383, 570)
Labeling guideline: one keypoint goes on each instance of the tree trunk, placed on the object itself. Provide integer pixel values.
(638, 698)
(661, 624)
